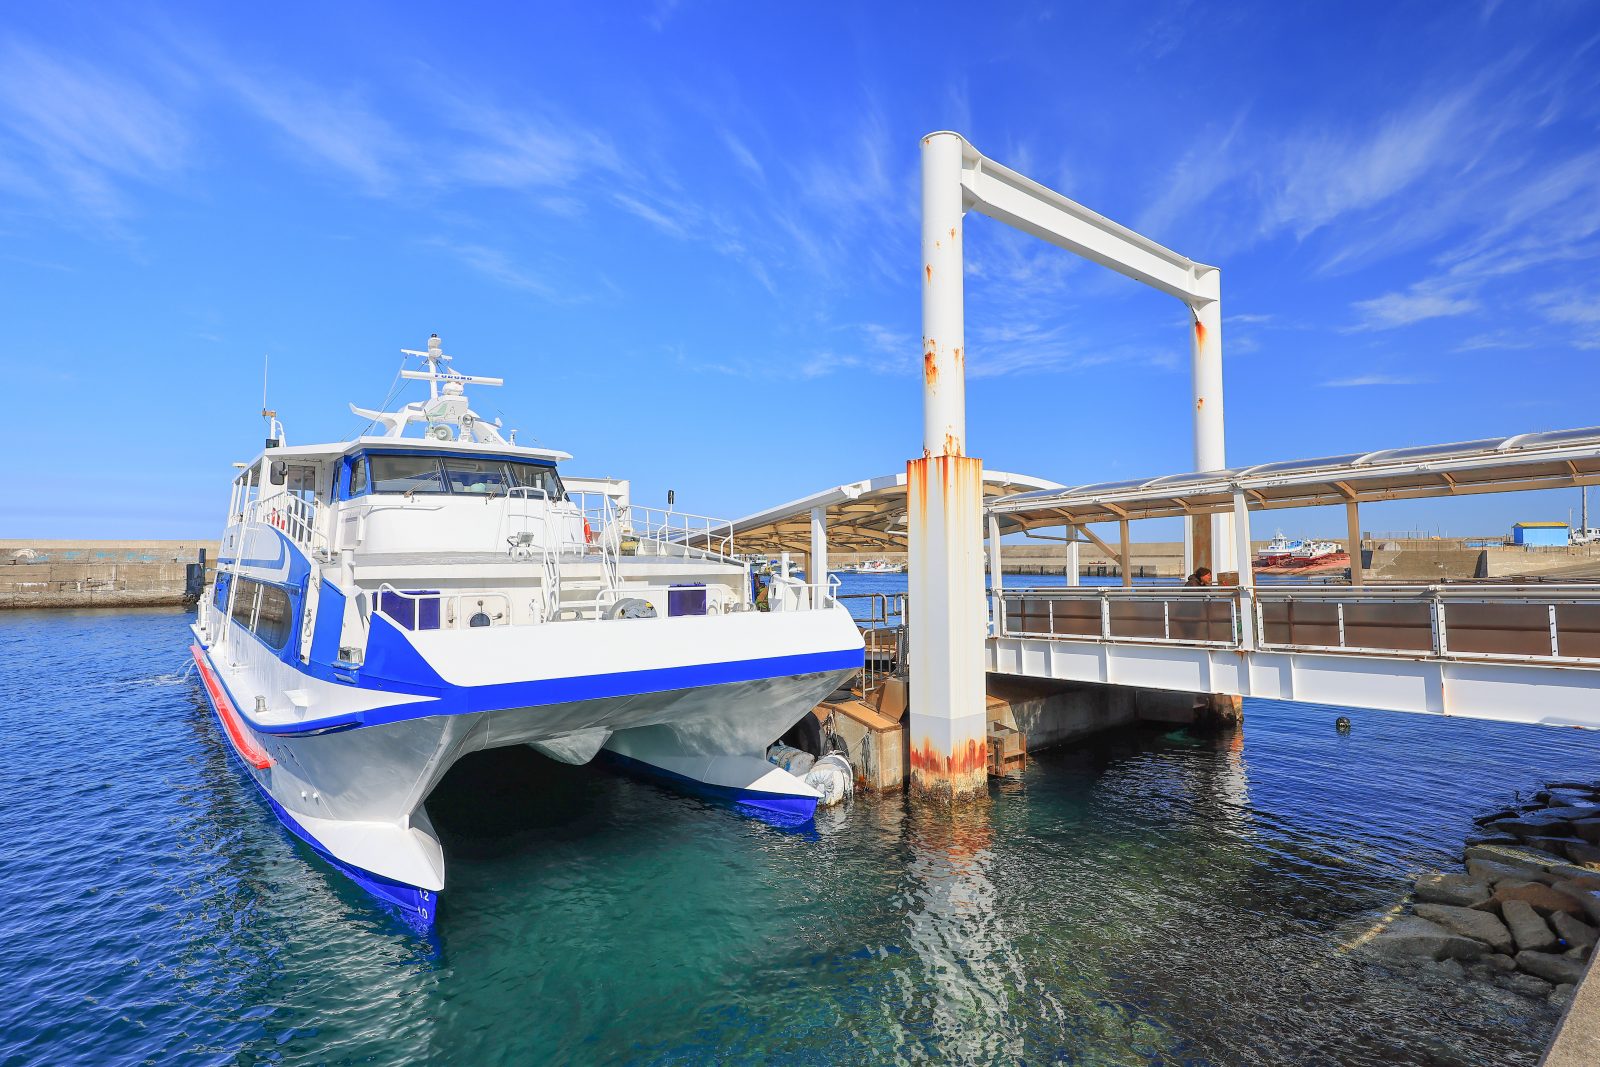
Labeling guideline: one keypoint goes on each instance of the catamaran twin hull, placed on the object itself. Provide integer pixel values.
(351, 779)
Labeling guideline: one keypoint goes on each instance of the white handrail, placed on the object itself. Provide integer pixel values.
(1498, 637)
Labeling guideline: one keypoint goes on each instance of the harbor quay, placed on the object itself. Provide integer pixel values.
(109, 573)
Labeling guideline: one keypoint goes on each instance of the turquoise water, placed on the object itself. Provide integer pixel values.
(1145, 899)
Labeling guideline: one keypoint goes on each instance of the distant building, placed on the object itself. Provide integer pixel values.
(1540, 533)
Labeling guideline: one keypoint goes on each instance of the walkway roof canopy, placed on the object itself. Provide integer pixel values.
(867, 516)
(1551, 460)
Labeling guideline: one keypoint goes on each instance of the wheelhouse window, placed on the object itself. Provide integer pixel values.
(476, 477)
(458, 475)
(406, 474)
(536, 476)
(358, 476)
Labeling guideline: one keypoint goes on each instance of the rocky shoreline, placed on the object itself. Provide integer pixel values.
(1525, 913)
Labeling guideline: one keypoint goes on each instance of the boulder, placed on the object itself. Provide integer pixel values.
(1576, 787)
(1552, 968)
(1459, 889)
(1544, 899)
(1478, 925)
(1588, 829)
(1575, 932)
(1492, 839)
(1412, 937)
(1578, 952)
(1516, 856)
(1561, 995)
(1526, 984)
(1583, 854)
(1499, 961)
(1490, 871)
(1555, 846)
(1529, 931)
(1584, 894)
(1496, 816)
(1525, 828)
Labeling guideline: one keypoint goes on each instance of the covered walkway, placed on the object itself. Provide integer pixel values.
(1516, 653)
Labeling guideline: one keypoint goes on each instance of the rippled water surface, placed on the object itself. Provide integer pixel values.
(1148, 898)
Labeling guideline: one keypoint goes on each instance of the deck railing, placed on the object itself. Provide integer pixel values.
(1557, 624)
(300, 520)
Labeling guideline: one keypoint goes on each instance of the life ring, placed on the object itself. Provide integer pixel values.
(588, 534)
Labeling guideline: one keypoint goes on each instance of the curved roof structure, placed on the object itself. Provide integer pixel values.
(866, 516)
(1550, 460)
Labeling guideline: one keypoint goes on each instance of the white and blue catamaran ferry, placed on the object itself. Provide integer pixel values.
(386, 605)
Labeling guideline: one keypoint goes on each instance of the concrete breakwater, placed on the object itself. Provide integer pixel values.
(82, 574)
(1524, 915)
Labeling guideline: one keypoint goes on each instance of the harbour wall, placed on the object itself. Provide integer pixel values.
(95, 574)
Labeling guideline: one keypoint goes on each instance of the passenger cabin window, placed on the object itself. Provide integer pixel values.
(244, 602)
(265, 610)
(273, 617)
(406, 474)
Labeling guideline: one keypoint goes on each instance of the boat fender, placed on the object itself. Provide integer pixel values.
(631, 607)
(790, 759)
(833, 777)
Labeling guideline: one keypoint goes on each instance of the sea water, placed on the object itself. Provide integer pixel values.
(1146, 898)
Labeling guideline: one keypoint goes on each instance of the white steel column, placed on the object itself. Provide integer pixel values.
(944, 495)
(996, 574)
(1210, 451)
(1352, 529)
(817, 565)
(1247, 576)
(1074, 571)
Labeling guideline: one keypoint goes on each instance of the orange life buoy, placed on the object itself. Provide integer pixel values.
(588, 534)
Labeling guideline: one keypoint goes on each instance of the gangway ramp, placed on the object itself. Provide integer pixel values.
(1515, 653)
(1511, 653)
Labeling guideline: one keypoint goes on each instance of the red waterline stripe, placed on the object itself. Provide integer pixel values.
(243, 741)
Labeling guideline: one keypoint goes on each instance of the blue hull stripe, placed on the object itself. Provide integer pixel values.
(783, 803)
(470, 700)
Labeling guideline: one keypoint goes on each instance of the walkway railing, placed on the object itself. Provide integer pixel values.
(882, 620)
(1557, 624)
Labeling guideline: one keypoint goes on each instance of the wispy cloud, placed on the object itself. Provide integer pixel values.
(522, 148)
(1328, 174)
(80, 132)
(332, 128)
(498, 266)
(1416, 304)
(1500, 339)
(743, 156)
(1363, 381)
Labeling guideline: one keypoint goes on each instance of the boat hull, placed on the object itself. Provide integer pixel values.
(353, 785)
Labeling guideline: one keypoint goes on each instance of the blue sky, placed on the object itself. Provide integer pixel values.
(686, 233)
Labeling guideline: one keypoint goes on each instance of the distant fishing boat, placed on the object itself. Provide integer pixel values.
(384, 606)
